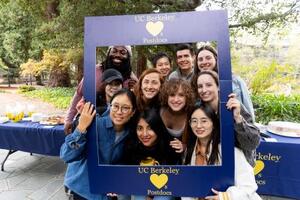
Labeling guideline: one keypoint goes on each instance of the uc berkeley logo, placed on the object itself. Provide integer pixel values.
(264, 160)
(154, 28)
(159, 181)
(259, 166)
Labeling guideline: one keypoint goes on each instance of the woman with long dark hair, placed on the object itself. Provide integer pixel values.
(207, 59)
(147, 145)
(114, 131)
(203, 148)
(148, 141)
(246, 133)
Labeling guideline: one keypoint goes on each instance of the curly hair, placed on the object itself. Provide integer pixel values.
(172, 86)
(141, 104)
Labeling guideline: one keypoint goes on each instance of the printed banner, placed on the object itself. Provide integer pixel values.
(160, 29)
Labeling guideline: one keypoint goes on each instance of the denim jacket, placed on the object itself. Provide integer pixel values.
(73, 152)
(239, 87)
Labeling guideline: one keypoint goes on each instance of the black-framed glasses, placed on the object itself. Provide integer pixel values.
(124, 109)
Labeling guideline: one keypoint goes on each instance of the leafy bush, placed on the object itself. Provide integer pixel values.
(270, 107)
(60, 97)
(267, 76)
(26, 88)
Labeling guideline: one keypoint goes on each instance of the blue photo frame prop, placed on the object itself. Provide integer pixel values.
(156, 29)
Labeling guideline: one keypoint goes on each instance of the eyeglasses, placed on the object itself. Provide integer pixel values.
(124, 109)
(195, 122)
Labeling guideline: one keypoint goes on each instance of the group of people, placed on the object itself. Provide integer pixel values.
(160, 118)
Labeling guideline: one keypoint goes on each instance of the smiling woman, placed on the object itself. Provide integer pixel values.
(204, 149)
(148, 146)
(176, 99)
(148, 88)
(168, 40)
(112, 132)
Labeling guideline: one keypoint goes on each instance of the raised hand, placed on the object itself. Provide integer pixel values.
(234, 104)
(86, 117)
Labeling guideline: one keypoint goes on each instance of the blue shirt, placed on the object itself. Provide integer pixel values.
(239, 87)
(73, 152)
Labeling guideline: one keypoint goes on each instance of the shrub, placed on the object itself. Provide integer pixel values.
(25, 88)
(270, 107)
(269, 75)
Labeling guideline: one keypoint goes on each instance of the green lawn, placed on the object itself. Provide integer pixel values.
(59, 97)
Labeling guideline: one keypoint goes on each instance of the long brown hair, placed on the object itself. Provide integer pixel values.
(141, 104)
(210, 49)
(211, 73)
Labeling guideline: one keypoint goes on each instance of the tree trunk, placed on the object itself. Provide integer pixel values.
(8, 79)
(80, 69)
(141, 64)
(38, 80)
(51, 9)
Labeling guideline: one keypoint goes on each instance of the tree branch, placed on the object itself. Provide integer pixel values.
(267, 18)
(183, 5)
(7, 63)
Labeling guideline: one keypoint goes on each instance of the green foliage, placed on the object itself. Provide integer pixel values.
(269, 75)
(59, 97)
(28, 28)
(25, 88)
(16, 26)
(270, 107)
(262, 75)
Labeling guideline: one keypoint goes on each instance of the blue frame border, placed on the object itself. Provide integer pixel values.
(177, 28)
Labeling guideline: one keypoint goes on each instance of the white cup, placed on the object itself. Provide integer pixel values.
(36, 117)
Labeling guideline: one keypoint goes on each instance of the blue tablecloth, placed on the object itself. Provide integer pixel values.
(31, 137)
(278, 167)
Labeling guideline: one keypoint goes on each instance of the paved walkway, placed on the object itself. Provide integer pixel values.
(35, 177)
(29, 177)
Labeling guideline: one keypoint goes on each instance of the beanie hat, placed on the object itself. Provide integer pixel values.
(110, 75)
(127, 47)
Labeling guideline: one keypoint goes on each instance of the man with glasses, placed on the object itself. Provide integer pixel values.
(119, 58)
